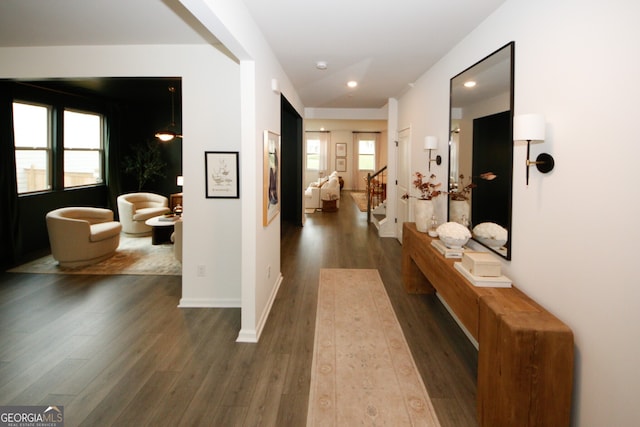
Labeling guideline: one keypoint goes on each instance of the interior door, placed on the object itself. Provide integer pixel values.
(402, 168)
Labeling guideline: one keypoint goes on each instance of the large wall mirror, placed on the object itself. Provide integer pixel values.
(481, 149)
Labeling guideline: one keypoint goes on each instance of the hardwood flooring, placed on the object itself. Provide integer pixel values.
(116, 350)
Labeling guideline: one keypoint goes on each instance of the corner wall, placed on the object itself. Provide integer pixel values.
(574, 231)
(230, 22)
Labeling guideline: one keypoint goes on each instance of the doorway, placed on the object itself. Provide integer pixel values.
(291, 168)
(402, 171)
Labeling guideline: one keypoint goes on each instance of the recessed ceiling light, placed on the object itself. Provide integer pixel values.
(352, 84)
(321, 65)
(470, 83)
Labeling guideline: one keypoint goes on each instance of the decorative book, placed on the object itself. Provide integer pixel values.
(447, 252)
(483, 281)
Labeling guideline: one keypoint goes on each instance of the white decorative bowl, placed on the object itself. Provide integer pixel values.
(453, 235)
(490, 234)
(492, 243)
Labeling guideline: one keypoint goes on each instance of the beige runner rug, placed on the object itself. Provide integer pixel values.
(360, 200)
(363, 372)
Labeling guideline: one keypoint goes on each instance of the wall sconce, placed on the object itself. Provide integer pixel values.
(531, 127)
(179, 180)
(431, 143)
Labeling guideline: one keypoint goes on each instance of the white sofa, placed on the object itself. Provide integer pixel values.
(324, 189)
(135, 208)
(82, 235)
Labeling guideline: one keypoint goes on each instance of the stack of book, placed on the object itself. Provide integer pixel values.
(447, 252)
(481, 271)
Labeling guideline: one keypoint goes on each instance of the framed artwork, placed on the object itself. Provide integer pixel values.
(341, 164)
(271, 168)
(341, 149)
(221, 171)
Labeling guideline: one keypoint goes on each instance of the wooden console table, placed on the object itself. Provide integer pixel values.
(525, 358)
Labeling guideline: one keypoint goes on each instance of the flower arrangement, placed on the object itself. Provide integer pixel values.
(428, 189)
(465, 192)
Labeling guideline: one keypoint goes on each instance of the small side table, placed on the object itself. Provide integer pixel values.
(329, 205)
(174, 200)
(161, 229)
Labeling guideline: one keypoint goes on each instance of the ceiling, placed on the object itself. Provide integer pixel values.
(383, 45)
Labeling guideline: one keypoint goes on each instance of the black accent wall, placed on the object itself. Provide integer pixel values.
(135, 108)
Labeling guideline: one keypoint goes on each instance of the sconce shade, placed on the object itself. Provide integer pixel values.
(528, 127)
(179, 180)
(430, 143)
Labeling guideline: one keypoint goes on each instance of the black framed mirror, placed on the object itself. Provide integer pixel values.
(481, 149)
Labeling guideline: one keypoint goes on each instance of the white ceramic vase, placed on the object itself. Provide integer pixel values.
(459, 209)
(423, 211)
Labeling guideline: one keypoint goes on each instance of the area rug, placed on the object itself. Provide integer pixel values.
(360, 198)
(362, 372)
(135, 255)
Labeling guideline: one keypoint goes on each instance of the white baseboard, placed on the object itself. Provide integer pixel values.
(253, 335)
(209, 303)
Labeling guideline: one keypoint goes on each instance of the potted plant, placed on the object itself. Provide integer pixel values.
(423, 207)
(145, 163)
(460, 195)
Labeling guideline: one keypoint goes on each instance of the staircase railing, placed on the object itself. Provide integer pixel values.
(376, 189)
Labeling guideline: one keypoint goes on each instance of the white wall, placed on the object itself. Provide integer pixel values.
(211, 122)
(341, 131)
(231, 23)
(574, 231)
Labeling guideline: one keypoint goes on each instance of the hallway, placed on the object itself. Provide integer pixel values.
(343, 239)
(116, 350)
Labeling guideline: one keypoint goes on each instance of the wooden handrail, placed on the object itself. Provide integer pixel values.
(369, 178)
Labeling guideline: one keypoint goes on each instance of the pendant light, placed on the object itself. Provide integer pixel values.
(168, 134)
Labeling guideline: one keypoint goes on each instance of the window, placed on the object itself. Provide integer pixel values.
(44, 162)
(366, 154)
(313, 154)
(316, 150)
(83, 148)
(31, 124)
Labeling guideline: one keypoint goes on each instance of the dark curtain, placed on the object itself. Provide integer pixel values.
(113, 159)
(9, 215)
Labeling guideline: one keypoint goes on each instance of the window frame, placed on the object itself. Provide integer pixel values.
(100, 150)
(360, 155)
(48, 149)
(315, 154)
(57, 103)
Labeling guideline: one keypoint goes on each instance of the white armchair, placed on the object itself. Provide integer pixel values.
(135, 208)
(82, 235)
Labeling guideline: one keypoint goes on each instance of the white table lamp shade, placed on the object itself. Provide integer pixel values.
(528, 127)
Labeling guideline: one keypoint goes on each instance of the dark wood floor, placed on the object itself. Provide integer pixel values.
(115, 350)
